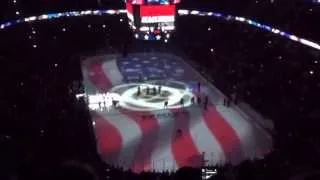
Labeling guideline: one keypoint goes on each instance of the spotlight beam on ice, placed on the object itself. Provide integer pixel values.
(126, 95)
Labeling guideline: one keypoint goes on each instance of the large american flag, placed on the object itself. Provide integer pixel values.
(213, 136)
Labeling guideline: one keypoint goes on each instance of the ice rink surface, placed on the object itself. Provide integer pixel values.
(144, 134)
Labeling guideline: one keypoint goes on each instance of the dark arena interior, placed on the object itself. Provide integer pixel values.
(159, 90)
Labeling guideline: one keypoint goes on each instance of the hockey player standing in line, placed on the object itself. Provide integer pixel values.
(165, 104)
(159, 89)
(199, 99)
(182, 102)
(114, 103)
(148, 90)
(154, 90)
(192, 100)
(104, 105)
(99, 105)
(139, 91)
(206, 101)
(199, 86)
(228, 101)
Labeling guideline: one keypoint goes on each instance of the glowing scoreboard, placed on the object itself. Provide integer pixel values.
(152, 19)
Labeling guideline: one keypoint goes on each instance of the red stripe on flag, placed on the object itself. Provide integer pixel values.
(184, 150)
(224, 133)
(98, 77)
(149, 128)
(108, 137)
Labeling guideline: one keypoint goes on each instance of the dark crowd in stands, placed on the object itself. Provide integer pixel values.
(46, 133)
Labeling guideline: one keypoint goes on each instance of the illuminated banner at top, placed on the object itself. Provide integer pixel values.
(157, 10)
(157, 19)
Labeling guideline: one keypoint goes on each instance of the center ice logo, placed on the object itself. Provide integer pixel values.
(150, 97)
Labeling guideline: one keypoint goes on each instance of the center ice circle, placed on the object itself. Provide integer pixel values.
(173, 95)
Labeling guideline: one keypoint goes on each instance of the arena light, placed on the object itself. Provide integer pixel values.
(194, 12)
(43, 17)
(249, 21)
(241, 19)
(309, 43)
(180, 12)
(80, 95)
(167, 28)
(96, 12)
(88, 12)
(294, 38)
(111, 12)
(217, 14)
(183, 12)
(276, 31)
(28, 19)
(122, 11)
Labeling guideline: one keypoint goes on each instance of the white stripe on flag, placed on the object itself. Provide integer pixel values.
(204, 139)
(111, 70)
(241, 127)
(252, 139)
(162, 157)
(130, 133)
